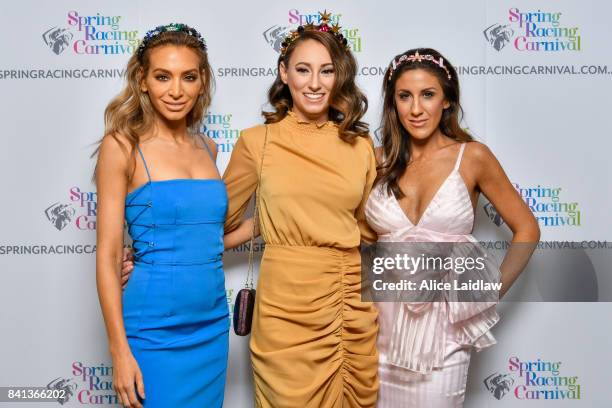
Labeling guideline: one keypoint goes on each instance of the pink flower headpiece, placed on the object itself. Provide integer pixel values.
(416, 57)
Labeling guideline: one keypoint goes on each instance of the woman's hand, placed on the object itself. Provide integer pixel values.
(127, 380)
(127, 266)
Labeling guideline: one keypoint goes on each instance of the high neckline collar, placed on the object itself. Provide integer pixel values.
(293, 117)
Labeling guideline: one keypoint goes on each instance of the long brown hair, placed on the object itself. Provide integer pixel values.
(347, 103)
(395, 138)
(131, 113)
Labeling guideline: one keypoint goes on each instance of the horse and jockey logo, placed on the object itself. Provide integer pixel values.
(57, 39)
(60, 214)
(275, 36)
(498, 384)
(498, 35)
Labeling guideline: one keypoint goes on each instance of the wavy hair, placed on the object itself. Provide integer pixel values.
(395, 138)
(131, 113)
(348, 103)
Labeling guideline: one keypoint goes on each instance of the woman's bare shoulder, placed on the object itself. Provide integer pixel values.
(212, 146)
(477, 151)
(116, 144)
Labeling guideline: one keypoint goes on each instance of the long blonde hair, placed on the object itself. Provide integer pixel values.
(131, 114)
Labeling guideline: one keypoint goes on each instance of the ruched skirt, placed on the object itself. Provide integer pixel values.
(313, 342)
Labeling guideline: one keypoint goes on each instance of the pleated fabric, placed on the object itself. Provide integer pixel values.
(442, 387)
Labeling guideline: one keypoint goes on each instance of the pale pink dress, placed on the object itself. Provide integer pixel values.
(425, 348)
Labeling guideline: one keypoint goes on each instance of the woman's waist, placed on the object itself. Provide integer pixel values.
(322, 249)
(309, 233)
(414, 234)
(308, 271)
(185, 247)
(173, 257)
(311, 253)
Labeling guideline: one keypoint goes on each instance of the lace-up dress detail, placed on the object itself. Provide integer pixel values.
(174, 306)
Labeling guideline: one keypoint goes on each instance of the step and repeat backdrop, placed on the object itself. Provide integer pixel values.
(536, 83)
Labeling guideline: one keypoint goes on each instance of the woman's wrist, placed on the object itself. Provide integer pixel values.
(118, 349)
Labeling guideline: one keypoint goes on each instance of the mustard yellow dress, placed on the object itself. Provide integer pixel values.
(313, 342)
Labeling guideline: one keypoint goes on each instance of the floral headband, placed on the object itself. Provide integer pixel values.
(416, 57)
(324, 27)
(172, 27)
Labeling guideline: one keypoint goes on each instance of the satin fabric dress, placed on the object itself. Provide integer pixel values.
(174, 305)
(313, 341)
(425, 348)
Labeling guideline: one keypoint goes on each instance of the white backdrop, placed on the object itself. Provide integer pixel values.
(543, 113)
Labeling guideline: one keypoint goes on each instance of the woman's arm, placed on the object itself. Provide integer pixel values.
(368, 235)
(241, 234)
(242, 174)
(493, 182)
(112, 181)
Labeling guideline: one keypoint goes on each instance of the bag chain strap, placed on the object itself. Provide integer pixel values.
(249, 278)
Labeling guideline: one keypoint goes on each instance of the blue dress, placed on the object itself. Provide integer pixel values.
(174, 306)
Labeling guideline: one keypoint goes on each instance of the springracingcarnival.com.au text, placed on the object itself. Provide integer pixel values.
(511, 70)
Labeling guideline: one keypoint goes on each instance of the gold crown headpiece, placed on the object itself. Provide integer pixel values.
(324, 19)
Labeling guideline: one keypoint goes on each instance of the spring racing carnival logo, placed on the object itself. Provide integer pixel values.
(534, 31)
(87, 385)
(533, 380)
(92, 34)
(218, 126)
(80, 210)
(546, 205)
(275, 35)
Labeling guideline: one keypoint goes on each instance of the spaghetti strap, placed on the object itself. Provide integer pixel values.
(144, 162)
(210, 153)
(459, 156)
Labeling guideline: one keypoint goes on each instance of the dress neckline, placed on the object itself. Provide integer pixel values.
(437, 193)
(174, 180)
(433, 199)
(293, 118)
